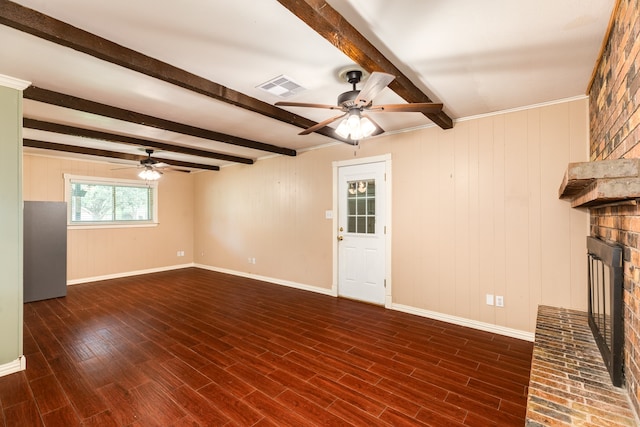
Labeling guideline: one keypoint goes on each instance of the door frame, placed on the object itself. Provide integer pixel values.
(386, 158)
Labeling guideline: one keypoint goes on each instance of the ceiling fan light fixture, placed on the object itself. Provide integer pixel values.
(343, 129)
(353, 124)
(149, 174)
(355, 127)
(367, 127)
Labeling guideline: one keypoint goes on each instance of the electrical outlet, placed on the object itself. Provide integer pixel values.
(499, 301)
(489, 299)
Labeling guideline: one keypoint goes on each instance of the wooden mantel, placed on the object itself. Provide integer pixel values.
(591, 184)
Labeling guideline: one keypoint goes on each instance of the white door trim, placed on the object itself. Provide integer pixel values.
(386, 158)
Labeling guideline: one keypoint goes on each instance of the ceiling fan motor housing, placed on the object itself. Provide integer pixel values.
(347, 99)
(148, 162)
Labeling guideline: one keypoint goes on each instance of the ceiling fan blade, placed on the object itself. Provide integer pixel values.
(165, 165)
(418, 107)
(306, 104)
(378, 130)
(177, 169)
(373, 86)
(321, 124)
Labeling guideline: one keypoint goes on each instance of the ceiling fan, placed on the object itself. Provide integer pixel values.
(150, 165)
(152, 168)
(356, 125)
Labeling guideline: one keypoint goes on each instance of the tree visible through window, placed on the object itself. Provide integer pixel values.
(101, 202)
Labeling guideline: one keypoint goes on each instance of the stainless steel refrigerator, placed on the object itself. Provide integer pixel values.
(45, 250)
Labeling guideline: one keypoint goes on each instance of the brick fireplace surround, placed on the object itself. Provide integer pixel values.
(565, 387)
(569, 384)
(614, 114)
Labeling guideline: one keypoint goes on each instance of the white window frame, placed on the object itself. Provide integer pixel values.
(75, 179)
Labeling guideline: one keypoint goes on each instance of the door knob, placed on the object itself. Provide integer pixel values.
(340, 238)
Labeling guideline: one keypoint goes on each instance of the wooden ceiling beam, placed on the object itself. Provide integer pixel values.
(327, 22)
(40, 25)
(62, 100)
(33, 143)
(111, 137)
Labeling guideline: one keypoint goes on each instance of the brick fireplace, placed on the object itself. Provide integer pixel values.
(614, 113)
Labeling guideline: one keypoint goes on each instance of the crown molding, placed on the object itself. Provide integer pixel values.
(13, 83)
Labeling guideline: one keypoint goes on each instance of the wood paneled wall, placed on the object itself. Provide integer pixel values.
(94, 253)
(475, 211)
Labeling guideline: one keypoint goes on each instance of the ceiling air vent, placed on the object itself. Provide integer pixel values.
(281, 86)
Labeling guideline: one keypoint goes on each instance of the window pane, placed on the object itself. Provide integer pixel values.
(352, 187)
(92, 202)
(362, 204)
(371, 225)
(371, 188)
(132, 203)
(351, 210)
(362, 225)
(351, 224)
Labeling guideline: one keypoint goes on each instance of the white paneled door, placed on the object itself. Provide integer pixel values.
(361, 232)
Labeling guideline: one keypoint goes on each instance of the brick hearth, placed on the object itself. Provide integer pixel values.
(569, 383)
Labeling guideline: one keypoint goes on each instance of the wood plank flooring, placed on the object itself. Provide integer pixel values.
(197, 348)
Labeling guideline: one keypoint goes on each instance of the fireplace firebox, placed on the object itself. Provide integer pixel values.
(605, 304)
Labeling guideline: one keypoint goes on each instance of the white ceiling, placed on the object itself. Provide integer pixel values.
(476, 57)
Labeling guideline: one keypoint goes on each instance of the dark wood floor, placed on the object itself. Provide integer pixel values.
(193, 347)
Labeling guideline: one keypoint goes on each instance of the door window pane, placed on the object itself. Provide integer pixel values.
(351, 224)
(371, 207)
(361, 207)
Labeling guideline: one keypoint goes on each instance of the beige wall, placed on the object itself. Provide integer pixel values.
(113, 251)
(272, 211)
(475, 211)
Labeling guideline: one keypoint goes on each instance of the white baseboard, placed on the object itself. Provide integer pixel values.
(487, 327)
(128, 274)
(20, 364)
(461, 321)
(288, 283)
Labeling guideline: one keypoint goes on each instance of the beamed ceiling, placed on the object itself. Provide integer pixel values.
(110, 79)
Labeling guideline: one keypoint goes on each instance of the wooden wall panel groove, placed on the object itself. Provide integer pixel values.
(475, 212)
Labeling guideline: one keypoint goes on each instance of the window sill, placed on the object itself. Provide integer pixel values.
(96, 226)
